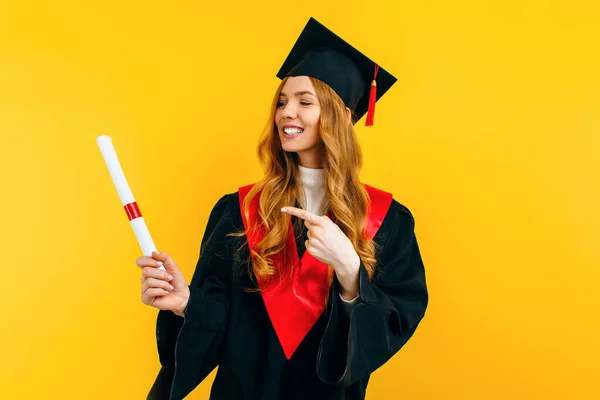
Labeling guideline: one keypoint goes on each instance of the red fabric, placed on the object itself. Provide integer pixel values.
(132, 211)
(295, 305)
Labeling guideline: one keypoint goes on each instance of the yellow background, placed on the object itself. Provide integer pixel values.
(491, 137)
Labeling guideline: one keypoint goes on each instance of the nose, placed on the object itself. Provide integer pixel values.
(289, 110)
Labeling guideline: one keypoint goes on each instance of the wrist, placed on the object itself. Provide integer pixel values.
(348, 279)
(180, 311)
(348, 270)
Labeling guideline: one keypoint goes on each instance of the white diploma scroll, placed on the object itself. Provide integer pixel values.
(133, 212)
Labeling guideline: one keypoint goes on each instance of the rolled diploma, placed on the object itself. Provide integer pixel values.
(135, 216)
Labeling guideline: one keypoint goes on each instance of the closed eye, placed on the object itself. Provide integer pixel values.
(302, 103)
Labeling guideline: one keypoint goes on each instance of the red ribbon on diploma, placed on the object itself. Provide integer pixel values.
(132, 211)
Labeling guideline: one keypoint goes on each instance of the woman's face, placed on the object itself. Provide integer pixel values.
(297, 120)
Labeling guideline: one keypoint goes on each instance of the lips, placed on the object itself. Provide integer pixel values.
(292, 131)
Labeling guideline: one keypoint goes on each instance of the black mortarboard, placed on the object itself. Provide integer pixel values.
(322, 54)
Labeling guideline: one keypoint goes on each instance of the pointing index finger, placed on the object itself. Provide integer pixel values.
(305, 215)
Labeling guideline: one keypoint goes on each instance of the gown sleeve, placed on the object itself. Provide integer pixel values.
(391, 306)
(193, 341)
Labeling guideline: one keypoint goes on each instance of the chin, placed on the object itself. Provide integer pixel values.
(292, 149)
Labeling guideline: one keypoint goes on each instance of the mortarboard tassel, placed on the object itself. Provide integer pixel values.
(372, 99)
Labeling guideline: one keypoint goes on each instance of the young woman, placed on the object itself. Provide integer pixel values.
(308, 280)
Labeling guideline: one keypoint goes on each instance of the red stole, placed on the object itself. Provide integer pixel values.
(295, 304)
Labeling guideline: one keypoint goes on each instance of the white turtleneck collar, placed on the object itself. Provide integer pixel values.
(314, 187)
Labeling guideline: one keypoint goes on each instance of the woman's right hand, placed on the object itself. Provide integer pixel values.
(165, 290)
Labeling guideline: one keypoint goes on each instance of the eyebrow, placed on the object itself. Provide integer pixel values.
(299, 93)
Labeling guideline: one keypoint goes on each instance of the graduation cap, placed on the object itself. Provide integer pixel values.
(321, 54)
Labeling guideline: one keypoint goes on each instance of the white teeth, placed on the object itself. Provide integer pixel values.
(292, 131)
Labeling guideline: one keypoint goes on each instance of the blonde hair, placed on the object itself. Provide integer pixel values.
(281, 184)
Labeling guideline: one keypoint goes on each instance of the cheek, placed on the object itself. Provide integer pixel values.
(276, 117)
(314, 119)
(315, 136)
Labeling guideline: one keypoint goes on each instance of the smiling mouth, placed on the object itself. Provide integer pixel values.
(293, 131)
(290, 133)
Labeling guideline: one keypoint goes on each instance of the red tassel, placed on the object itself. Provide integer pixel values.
(372, 99)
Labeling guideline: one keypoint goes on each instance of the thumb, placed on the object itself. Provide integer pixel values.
(171, 267)
(160, 256)
(164, 258)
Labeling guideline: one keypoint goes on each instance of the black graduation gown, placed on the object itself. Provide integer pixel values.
(228, 327)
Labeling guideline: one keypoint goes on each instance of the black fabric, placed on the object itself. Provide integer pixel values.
(228, 327)
(321, 54)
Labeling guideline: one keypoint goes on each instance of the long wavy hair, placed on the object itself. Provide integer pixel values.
(281, 185)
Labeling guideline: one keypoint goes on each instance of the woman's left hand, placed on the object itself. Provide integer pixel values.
(328, 244)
